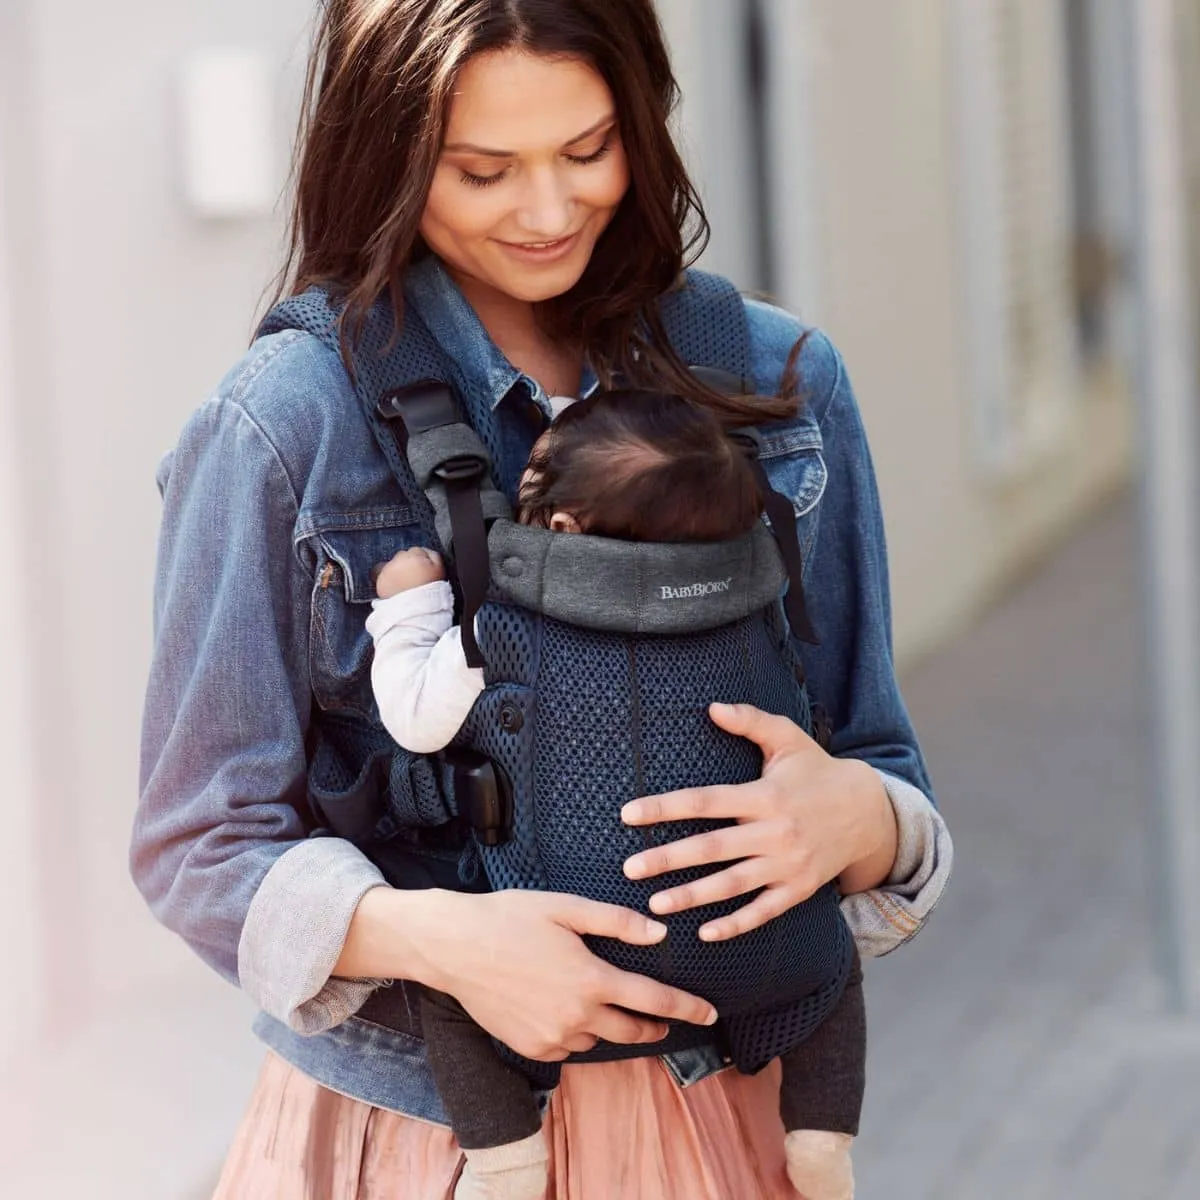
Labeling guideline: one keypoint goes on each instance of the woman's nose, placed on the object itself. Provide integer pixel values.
(545, 209)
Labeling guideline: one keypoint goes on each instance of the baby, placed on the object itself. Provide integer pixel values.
(636, 466)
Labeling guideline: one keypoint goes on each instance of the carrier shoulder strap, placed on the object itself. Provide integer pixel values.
(705, 322)
(381, 362)
(402, 383)
(451, 466)
(705, 319)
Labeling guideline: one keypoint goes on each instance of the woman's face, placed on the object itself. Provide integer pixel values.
(531, 171)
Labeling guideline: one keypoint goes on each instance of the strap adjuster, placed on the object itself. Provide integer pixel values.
(462, 468)
(482, 796)
(421, 406)
(747, 441)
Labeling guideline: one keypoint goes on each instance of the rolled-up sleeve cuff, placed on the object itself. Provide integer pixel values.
(888, 916)
(295, 930)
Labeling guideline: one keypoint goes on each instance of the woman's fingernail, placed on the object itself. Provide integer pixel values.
(634, 868)
(631, 812)
(711, 1019)
(661, 903)
(708, 933)
(656, 929)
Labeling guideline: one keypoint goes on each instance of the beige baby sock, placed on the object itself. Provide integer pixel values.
(818, 1164)
(517, 1171)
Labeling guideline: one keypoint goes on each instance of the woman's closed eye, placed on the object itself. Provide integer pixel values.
(579, 160)
(596, 155)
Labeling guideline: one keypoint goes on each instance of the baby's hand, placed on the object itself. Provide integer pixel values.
(407, 569)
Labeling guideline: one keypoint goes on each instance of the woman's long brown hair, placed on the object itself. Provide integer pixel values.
(376, 98)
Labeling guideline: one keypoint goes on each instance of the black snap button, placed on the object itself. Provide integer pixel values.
(511, 717)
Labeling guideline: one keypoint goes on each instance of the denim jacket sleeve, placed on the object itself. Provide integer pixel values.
(851, 672)
(223, 792)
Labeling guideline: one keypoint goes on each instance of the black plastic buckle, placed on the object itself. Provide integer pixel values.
(747, 441)
(462, 468)
(421, 406)
(482, 795)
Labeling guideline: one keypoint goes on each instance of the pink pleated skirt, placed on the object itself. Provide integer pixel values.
(616, 1131)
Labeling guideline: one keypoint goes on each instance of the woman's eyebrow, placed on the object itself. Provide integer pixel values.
(470, 148)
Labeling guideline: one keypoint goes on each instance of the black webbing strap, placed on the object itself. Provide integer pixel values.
(415, 409)
(461, 477)
(776, 505)
(783, 525)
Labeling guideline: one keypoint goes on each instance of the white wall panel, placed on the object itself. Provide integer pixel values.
(19, 925)
(707, 44)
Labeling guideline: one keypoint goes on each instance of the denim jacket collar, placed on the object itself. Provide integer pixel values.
(456, 327)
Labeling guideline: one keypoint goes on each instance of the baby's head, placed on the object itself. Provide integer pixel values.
(641, 466)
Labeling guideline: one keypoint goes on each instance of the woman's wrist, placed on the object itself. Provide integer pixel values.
(865, 785)
(394, 934)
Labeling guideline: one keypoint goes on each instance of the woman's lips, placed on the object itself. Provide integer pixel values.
(542, 252)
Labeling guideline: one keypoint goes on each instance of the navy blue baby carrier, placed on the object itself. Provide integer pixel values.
(600, 658)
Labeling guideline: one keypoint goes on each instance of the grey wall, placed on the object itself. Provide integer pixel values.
(118, 313)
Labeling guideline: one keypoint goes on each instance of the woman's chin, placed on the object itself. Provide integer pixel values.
(536, 291)
(534, 284)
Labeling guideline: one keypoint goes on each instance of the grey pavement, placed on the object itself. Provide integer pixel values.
(1019, 1047)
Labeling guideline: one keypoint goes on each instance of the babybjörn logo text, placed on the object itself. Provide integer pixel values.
(690, 591)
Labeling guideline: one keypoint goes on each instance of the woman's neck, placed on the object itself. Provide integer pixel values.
(512, 324)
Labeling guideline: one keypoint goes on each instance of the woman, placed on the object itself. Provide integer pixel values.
(499, 174)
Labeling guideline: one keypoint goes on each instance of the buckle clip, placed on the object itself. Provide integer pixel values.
(419, 407)
(462, 468)
(482, 795)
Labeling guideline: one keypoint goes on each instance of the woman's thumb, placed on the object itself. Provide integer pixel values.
(770, 732)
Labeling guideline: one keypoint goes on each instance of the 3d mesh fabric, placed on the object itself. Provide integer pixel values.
(620, 716)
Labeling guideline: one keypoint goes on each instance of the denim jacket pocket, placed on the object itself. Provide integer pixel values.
(344, 547)
(794, 464)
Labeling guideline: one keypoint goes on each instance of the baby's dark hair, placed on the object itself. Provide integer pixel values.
(642, 466)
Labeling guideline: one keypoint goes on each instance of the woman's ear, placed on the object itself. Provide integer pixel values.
(563, 522)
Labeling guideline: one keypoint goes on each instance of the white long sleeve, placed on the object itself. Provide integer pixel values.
(422, 683)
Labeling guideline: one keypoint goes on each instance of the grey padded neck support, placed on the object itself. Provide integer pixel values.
(635, 587)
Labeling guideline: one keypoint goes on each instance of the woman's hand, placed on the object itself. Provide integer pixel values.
(810, 818)
(516, 962)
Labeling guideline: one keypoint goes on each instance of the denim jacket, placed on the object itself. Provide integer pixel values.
(277, 502)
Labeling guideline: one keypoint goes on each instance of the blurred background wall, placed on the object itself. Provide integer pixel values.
(940, 184)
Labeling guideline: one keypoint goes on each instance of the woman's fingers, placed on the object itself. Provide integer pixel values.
(759, 911)
(772, 733)
(581, 1043)
(626, 1029)
(738, 880)
(609, 1025)
(523, 972)
(722, 801)
(606, 920)
(641, 994)
(702, 849)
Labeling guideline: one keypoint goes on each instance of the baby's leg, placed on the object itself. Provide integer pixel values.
(490, 1104)
(820, 1098)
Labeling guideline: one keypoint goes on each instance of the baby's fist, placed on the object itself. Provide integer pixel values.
(407, 569)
